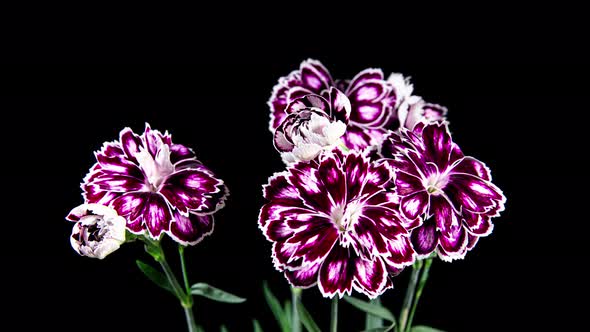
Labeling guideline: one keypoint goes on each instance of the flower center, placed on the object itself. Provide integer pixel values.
(436, 183)
(157, 169)
(344, 217)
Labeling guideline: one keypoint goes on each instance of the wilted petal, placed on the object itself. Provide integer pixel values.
(192, 229)
(337, 272)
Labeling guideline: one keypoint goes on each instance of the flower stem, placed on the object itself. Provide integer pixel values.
(187, 285)
(295, 298)
(334, 315)
(403, 316)
(188, 306)
(423, 279)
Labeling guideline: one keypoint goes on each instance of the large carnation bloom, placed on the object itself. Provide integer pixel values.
(452, 193)
(156, 185)
(373, 100)
(334, 223)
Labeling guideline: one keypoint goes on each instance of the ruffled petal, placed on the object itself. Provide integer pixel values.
(311, 190)
(315, 76)
(192, 229)
(454, 243)
(473, 193)
(401, 253)
(337, 272)
(130, 142)
(156, 215)
(370, 277)
(334, 179)
(194, 190)
(415, 205)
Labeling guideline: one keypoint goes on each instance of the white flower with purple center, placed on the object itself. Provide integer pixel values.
(98, 231)
(156, 185)
(375, 101)
(451, 193)
(313, 124)
(334, 222)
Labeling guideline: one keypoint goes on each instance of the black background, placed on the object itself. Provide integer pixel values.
(517, 104)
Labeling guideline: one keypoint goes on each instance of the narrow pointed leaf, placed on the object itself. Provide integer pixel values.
(371, 308)
(422, 328)
(372, 321)
(306, 319)
(275, 307)
(381, 329)
(155, 276)
(216, 294)
(257, 327)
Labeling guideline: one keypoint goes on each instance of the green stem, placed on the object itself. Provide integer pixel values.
(423, 279)
(403, 316)
(188, 306)
(187, 285)
(295, 299)
(334, 315)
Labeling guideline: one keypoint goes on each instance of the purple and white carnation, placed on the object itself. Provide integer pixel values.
(313, 124)
(373, 101)
(451, 193)
(335, 222)
(157, 185)
(98, 231)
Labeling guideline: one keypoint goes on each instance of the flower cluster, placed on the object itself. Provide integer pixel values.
(154, 185)
(373, 182)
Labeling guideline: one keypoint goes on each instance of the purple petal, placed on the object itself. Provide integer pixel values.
(355, 168)
(386, 220)
(192, 229)
(315, 76)
(131, 205)
(364, 76)
(156, 215)
(118, 165)
(469, 165)
(472, 193)
(425, 238)
(337, 272)
(471, 241)
(282, 255)
(304, 277)
(340, 105)
(308, 101)
(367, 113)
(369, 240)
(407, 184)
(278, 230)
(119, 183)
(414, 205)
(453, 243)
(378, 175)
(437, 141)
(306, 180)
(193, 190)
(151, 140)
(477, 224)
(443, 213)
(316, 240)
(370, 277)
(298, 92)
(330, 173)
(130, 143)
(180, 152)
(401, 253)
(279, 189)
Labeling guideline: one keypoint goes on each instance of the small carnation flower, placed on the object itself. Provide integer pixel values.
(98, 231)
(451, 193)
(313, 124)
(157, 185)
(334, 222)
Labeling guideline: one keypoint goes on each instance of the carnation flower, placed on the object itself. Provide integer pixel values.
(156, 185)
(98, 231)
(452, 194)
(372, 100)
(335, 223)
(313, 124)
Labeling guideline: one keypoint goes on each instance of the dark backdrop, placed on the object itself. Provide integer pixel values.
(523, 115)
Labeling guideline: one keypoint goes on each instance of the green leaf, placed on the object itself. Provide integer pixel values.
(257, 327)
(372, 321)
(373, 309)
(380, 329)
(306, 319)
(223, 329)
(275, 307)
(155, 276)
(154, 249)
(199, 328)
(215, 294)
(422, 328)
